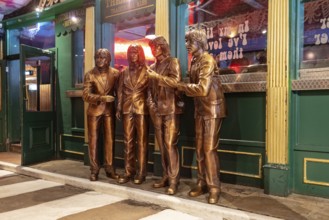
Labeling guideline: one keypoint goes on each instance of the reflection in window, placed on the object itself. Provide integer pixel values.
(133, 32)
(315, 51)
(37, 84)
(236, 32)
(0, 88)
(78, 43)
(40, 35)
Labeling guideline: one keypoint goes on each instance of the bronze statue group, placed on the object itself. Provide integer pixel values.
(142, 92)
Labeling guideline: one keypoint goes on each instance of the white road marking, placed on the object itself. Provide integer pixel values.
(61, 207)
(170, 214)
(25, 187)
(5, 173)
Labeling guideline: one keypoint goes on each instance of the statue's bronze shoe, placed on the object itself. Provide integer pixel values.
(198, 190)
(112, 175)
(124, 179)
(213, 197)
(172, 189)
(161, 183)
(110, 172)
(139, 179)
(93, 177)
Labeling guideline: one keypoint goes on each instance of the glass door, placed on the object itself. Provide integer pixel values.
(37, 108)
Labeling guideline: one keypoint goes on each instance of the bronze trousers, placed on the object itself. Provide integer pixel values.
(207, 141)
(135, 127)
(94, 126)
(166, 128)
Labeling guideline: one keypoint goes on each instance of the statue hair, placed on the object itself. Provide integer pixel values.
(198, 36)
(139, 50)
(161, 41)
(104, 51)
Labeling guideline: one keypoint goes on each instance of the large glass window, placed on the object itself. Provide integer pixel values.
(78, 42)
(315, 52)
(134, 31)
(236, 32)
(40, 35)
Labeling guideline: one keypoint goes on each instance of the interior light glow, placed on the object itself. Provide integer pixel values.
(310, 55)
(33, 87)
(150, 37)
(123, 47)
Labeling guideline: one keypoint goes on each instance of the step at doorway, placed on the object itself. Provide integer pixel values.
(15, 148)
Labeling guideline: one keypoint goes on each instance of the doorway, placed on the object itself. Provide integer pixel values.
(31, 109)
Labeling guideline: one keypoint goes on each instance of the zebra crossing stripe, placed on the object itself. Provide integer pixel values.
(171, 214)
(61, 207)
(25, 187)
(5, 173)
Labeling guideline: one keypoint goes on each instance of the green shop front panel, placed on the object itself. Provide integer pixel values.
(242, 146)
(311, 143)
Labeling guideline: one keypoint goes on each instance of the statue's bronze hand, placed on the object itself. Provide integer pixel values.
(118, 115)
(152, 74)
(107, 98)
(180, 86)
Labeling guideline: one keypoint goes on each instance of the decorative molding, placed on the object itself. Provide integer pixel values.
(260, 161)
(311, 79)
(310, 84)
(315, 160)
(243, 77)
(69, 151)
(244, 82)
(244, 87)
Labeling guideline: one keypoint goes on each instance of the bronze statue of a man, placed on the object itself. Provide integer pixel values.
(132, 96)
(165, 106)
(98, 91)
(210, 109)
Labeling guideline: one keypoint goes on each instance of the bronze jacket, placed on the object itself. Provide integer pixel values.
(206, 88)
(132, 96)
(94, 87)
(162, 98)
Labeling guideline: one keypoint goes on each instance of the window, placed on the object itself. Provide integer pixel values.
(40, 35)
(315, 42)
(78, 42)
(133, 32)
(236, 32)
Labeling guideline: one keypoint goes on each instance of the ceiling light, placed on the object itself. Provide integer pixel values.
(38, 9)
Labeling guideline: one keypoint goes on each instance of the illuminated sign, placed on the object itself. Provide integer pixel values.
(47, 3)
(71, 21)
(118, 10)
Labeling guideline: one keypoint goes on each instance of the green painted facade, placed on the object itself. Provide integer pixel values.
(242, 150)
(3, 107)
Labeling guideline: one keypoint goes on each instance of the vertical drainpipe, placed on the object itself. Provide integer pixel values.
(276, 170)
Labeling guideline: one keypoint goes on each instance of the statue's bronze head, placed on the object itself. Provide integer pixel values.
(136, 48)
(103, 52)
(198, 36)
(161, 41)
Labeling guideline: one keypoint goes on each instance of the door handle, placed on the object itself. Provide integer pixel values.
(25, 98)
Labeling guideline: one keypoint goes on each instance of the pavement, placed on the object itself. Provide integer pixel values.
(236, 201)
